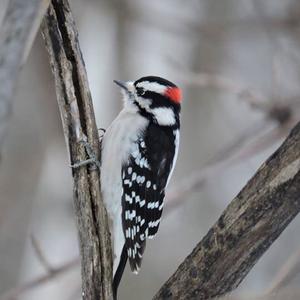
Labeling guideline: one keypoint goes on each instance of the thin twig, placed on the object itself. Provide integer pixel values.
(40, 254)
(16, 292)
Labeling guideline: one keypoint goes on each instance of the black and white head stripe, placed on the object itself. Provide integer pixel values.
(158, 99)
(144, 178)
(153, 83)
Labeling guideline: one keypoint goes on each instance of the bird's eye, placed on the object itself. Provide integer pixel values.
(140, 91)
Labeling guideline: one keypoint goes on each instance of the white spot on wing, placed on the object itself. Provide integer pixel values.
(150, 205)
(133, 176)
(154, 223)
(142, 162)
(128, 198)
(128, 182)
(146, 165)
(129, 216)
(133, 231)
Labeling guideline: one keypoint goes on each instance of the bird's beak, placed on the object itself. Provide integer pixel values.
(122, 84)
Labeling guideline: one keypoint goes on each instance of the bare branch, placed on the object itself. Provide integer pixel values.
(77, 114)
(245, 230)
(40, 254)
(14, 293)
(17, 33)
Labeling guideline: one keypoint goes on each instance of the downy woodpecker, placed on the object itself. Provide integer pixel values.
(139, 152)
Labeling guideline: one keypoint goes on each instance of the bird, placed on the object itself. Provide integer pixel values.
(138, 155)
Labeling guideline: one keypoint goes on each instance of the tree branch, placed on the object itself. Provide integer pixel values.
(77, 114)
(18, 291)
(245, 230)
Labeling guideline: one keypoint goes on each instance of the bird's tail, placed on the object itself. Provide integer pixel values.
(119, 272)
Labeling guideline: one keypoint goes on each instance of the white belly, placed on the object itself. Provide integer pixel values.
(117, 143)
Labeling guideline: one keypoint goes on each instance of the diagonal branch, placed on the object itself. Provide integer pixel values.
(77, 114)
(18, 291)
(246, 229)
(40, 254)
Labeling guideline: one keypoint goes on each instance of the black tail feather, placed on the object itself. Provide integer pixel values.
(119, 272)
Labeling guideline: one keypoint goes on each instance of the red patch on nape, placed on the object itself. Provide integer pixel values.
(174, 94)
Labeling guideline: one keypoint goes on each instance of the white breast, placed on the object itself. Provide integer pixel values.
(117, 143)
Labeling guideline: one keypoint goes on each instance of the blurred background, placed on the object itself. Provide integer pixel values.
(238, 64)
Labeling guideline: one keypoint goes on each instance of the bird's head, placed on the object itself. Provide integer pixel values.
(153, 97)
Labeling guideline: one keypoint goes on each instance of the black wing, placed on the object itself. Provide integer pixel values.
(144, 178)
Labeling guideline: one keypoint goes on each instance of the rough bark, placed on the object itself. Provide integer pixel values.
(245, 230)
(18, 29)
(77, 114)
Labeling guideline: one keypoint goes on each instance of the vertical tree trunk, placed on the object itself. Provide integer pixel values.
(77, 114)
